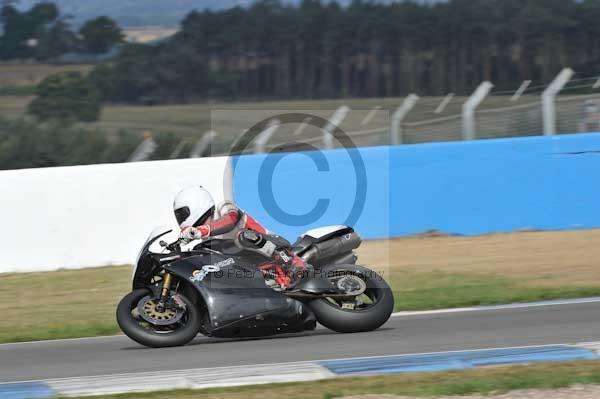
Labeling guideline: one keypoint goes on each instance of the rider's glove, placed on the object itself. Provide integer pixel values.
(195, 233)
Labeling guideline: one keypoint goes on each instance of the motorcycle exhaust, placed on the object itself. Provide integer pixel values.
(333, 247)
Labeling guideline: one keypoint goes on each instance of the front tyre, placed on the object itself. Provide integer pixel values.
(160, 334)
(365, 312)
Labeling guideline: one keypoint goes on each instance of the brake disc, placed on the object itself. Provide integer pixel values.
(352, 285)
(149, 311)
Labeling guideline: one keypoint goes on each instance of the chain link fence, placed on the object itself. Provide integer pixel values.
(578, 114)
(503, 114)
(515, 121)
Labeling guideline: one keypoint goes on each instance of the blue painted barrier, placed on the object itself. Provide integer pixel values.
(26, 390)
(476, 187)
(458, 360)
(298, 182)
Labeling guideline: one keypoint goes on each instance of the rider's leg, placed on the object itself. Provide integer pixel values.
(285, 267)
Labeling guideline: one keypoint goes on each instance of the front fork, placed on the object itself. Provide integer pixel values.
(167, 279)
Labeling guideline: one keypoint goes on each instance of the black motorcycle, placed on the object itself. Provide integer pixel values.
(219, 289)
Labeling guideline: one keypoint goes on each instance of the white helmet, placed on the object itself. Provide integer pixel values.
(192, 206)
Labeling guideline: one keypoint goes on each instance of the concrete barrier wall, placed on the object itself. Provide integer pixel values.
(73, 217)
(478, 187)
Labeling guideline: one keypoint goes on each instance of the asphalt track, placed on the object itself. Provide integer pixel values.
(403, 334)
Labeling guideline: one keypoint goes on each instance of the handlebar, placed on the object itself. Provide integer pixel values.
(175, 246)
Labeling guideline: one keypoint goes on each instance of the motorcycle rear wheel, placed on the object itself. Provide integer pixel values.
(333, 314)
(154, 336)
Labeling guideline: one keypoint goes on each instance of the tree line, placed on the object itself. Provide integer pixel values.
(41, 33)
(321, 49)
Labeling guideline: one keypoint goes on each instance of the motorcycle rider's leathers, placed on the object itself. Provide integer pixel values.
(230, 222)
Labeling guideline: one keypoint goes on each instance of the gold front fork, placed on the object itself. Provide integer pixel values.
(166, 285)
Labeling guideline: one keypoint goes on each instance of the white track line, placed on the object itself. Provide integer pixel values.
(560, 302)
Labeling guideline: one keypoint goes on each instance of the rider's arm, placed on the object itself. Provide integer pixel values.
(224, 224)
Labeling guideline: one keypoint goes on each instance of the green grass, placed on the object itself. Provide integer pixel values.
(497, 380)
(437, 290)
(81, 303)
(62, 304)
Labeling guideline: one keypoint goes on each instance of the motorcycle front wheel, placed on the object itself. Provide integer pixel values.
(140, 320)
(355, 313)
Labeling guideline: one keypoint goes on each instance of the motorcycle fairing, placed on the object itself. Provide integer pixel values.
(319, 235)
(238, 302)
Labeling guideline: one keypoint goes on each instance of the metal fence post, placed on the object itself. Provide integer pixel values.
(335, 121)
(203, 144)
(398, 116)
(469, 107)
(520, 90)
(177, 150)
(261, 141)
(369, 117)
(302, 126)
(549, 100)
(145, 150)
(444, 103)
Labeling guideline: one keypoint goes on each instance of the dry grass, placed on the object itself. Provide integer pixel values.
(560, 258)
(13, 106)
(31, 74)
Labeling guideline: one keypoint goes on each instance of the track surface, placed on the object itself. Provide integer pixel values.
(555, 324)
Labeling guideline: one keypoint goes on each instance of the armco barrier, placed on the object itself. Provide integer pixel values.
(72, 217)
(478, 187)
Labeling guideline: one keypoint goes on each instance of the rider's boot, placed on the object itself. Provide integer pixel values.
(286, 271)
(294, 268)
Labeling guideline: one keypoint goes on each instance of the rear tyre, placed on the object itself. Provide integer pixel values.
(142, 332)
(334, 314)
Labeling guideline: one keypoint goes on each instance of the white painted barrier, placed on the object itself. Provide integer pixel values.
(86, 216)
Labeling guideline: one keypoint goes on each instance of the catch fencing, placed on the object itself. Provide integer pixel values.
(564, 106)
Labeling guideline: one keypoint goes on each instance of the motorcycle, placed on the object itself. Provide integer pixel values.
(221, 290)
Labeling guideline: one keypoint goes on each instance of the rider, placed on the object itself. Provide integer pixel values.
(199, 218)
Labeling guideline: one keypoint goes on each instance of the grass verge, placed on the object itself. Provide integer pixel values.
(441, 290)
(498, 379)
(62, 304)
